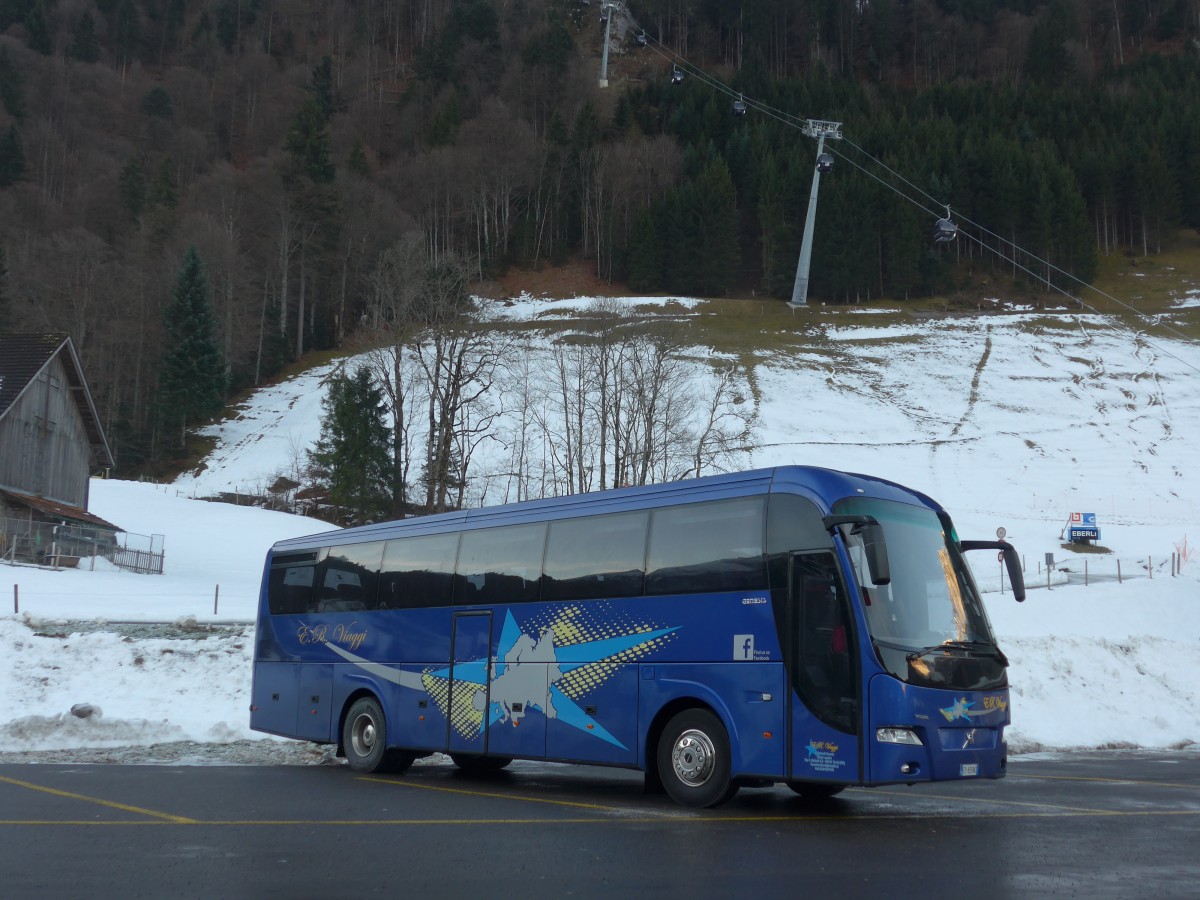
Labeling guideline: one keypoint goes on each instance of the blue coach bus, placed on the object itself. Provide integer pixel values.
(795, 625)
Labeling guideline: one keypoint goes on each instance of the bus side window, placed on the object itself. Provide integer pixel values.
(347, 578)
(418, 571)
(500, 565)
(593, 557)
(711, 546)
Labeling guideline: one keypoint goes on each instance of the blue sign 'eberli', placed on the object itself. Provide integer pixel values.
(1083, 528)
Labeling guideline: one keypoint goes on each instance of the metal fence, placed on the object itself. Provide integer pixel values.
(71, 546)
(1084, 569)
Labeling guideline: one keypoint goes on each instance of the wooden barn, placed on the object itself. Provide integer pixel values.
(51, 443)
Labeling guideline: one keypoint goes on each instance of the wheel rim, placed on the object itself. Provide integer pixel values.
(693, 757)
(363, 735)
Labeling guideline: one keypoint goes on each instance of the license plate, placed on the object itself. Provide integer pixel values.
(968, 770)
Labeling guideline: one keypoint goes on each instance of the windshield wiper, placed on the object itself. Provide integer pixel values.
(981, 647)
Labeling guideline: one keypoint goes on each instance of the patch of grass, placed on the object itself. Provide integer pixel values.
(1149, 284)
(1085, 548)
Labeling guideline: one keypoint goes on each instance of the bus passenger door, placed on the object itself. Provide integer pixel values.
(824, 673)
(469, 682)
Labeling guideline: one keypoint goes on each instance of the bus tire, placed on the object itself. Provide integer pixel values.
(810, 791)
(480, 765)
(364, 740)
(694, 759)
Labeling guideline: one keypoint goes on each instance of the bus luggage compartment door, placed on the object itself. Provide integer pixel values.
(273, 697)
(467, 710)
(314, 702)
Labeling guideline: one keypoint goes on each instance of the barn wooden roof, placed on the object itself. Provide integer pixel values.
(23, 356)
(56, 510)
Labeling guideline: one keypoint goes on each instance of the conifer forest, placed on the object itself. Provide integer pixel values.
(200, 192)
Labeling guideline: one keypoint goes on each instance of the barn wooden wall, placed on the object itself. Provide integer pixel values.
(44, 447)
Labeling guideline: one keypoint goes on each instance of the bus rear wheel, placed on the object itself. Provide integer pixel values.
(694, 759)
(364, 740)
(480, 765)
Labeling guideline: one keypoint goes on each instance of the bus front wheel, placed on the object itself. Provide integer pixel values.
(693, 759)
(364, 740)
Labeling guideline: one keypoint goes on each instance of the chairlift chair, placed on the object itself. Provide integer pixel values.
(825, 163)
(642, 39)
(739, 106)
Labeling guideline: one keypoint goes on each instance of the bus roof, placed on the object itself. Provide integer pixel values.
(822, 486)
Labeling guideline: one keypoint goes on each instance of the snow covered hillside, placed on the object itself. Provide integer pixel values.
(1008, 420)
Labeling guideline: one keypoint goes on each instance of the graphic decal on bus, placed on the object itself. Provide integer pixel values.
(961, 708)
(822, 756)
(578, 650)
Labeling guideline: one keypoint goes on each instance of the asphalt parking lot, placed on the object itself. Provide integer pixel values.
(1118, 824)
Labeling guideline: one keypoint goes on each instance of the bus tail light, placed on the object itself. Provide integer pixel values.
(897, 736)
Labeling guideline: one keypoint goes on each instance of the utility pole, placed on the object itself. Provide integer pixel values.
(607, 11)
(819, 129)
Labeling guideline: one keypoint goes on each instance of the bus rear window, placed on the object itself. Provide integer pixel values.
(713, 546)
(289, 591)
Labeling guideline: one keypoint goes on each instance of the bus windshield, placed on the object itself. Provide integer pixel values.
(928, 625)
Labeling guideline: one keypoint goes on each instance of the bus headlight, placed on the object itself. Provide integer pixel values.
(897, 736)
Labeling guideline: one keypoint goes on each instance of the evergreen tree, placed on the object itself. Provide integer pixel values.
(358, 162)
(192, 379)
(5, 303)
(308, 143)
(37, 27)
(322, 87)
(157, 103)
(163, 191)
(85, 47)
(128, 30)
(645, 253)
(12, 157)
(712, 217)
(352, 456)
(10, 86)
(131, 184)
(276, 349)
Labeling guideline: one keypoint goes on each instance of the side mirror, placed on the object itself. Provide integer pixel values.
(1012, 562)
(874, 544)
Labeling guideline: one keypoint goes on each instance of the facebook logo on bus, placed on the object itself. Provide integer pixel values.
(743, 646)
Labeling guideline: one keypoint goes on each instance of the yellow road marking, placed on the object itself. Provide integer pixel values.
(1053, 806)
(619, 820)
(622, 814)
(179, 820)
(1101, 780)
(447, 790)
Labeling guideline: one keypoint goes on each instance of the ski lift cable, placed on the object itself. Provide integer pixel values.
(698, 73)
(1015, 248)
(798, 122)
